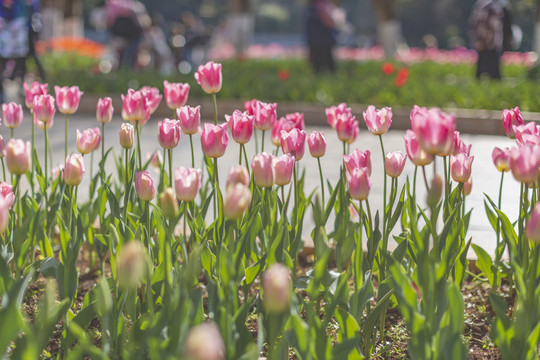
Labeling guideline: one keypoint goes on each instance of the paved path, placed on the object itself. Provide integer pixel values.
(485, 177)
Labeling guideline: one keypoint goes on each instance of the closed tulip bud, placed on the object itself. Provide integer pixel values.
(415, 153)
(394, 163)
(283, 169)
(467, 187)
(190, 119)
(2, 147)
(527, 134)
(132, 264)
(6, 190)
(524, 163)
(532, 231)
(511, 118)
(169, 133)
(263, 171)
(74, 170)
(104, 110)
(126, 135)
(34, 90)
(155, 159)
(152, 96)
(241, 125)
(435, 191)
(88, 140)
(209, 77)
(317, 144)
(264, 115)
(416, 112)
(12, 115)
(187, 183)
(277, 289)
(347, 128)
(135, 108)
(238, 174)
(4, 214)
(359, 183)
(435, 132)
(237, 199)
(460, 167)
(378, 121)
(357, 160)
(176, 94)
(68, 99)
(44, 109)
(144, 184)
(204, 342)
(214, 140)
(57, 171)
(18, 156)
(297, 119)
(501, 159)
(168, 203)
(334, 112)
(293, 143)
(249, 106)
(281, 124)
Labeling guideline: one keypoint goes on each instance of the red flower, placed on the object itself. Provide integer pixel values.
(402, 77)
(284, 75)
(387, 68)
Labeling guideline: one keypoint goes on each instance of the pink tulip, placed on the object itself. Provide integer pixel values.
(467, 187)
(2, 147)
(394, 163)
(347, 128)
(4, 214)
(74, 169)
(241, 125)
(57, 171)
(524, 163)
(527, 134)
(152, 96)
(34, 90)
(168, 203)
(190, 119)
(357, 160)
(283, 169)
(238, 174)
(417, 156)
(155, 159)
(187, 183)
(333, 112)
(378, 121)
(169, 133)
(176, 94)
(12, 115)
(435, 132)
(126, 135)
(460, 146)
(317, 144)
(135, 108)
(265, 115)
(511, 118)
(297, 119)
(277, 288)
(88, 140)
(209, 77)
(237, 199)
(144, 184)
(6, 190)
(501, 159)
(44, 109)
(104, 110)
(18, 156)
(249, 106)
(281, 124)
(293, 143)
(263, 170)
(204, 342)
(416, 112)
(68, 99)
(214, 139)
(532, 230)
(359, 183)
(460, 167)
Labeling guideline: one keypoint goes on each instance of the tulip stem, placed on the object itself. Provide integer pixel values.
(65, 137)
(277, 150)
(91, 165)
(240, 156)
(216, 188)
(138, 144)
(148, 226)
(102, 164)
(184, 248)
(11, 131)
(18, 195)
(192, 153)
(214, 99)
(170, 167)
(262, 141)
(499, 207)
(322, 181)
(3, 168)
(425, 178)
(45, 175)
(446, 180)
(295, 196)
(414, 182)
(126, 180)
(32, 156)
(246, 159)
(162, 171)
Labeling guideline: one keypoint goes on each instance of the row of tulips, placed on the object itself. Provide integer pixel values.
(195, 290)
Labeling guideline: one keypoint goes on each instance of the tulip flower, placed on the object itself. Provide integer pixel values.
(104, 110)
(34, 90)
(241, 125)
(317, 144)
(281, 124)
(237, 199)
(263, 170)
(187, 183)
(126, 135)
(527, 134)
(293, 143)
(176, 94)
(44, 109)
(208, 76)
(4, 214)
(524, 163)
(155, 159)
(277, 288)
(168, 203)
(136, 108)
(88, 140)
(204, 342)
(67, 99)
(532, 230)
(417, 112)
(359, 183)
(264, 115)
(511, 118)
(394, 163)
(415, 153)
(2, 147)
(378, 121)
(238, 174)
(214, 139)
(6, 190)
(283, 169)
(435, 191)
(190, 119)
(152, 96)
(144, 184)
(57, 171)
(435, 132)
(460, 167)
(169, 133)
(12, 114)
(467, 187)
(74, 170)
(358, 159)
(501, 159)
(18, 156)
(132, 264)
(333, 112)
(249, 106)
(347, 128)
(297, 119)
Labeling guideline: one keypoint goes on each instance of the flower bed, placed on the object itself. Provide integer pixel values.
(181, 267)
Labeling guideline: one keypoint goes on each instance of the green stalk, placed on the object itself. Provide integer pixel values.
(3, 168)
(102, 164)
(11, 131)
(138, 144)
(214, 99)
(32, 162)
(170, 167)
(262, 141)
(162, 172)
(277, 151)
(18, 199)
(295, 196)
(240, 155)
(126, 180)
(322, 181)
(246, 159)
(46, 173)
(91, 164)
(414, 181)
(66, 137)
(192, 153)
(184, 248)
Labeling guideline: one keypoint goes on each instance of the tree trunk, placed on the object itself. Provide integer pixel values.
(388, 26)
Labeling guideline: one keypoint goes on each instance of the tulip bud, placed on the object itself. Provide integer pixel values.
(277, 289)
(34, 90)
(169, 133)
(237, 199)
(176, 94)
(501, 159)
(132, 264)
(6, 190)
(394, 162)
(435, 191)
(209, 77)
(241, 125)
(74, 169)
(2, 147)
(378, 121)
(144, 184)
(238, 174)
(190, 119)
(187, 183)
(214, 140)
(460, 167)
(88, 140)
(126, 135)
(12, 115)
(204, 342)
(317, 144)
(263, 172)
(104, 110)
(467, 187)
(44, 109)
(265, 115)
(359, 183)
(68, 99)
(168, 203)
(293, 143)
(347, 128)
(18, 156)
(510, 119)
(283, 169)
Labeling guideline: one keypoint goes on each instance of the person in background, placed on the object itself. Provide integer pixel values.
(321, 35)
